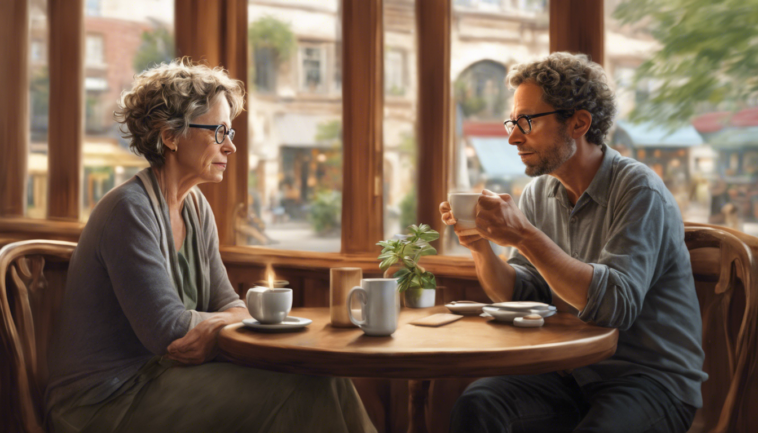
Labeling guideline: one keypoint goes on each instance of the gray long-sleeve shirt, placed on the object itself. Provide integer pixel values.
(121, 307)
(628, 227)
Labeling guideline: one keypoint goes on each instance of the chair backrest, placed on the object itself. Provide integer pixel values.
(32, 283)
(726, 277)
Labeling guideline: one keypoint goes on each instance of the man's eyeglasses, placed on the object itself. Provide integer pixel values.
(524, 121)
(221, 131)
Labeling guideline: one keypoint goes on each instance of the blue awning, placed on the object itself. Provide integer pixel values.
(648, 134)
(498, 158)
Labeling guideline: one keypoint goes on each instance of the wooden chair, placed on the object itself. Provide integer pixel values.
(726, 278)
(32, 282)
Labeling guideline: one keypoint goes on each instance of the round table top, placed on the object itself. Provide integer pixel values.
(470, 347)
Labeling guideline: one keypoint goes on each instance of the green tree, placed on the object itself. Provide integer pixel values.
(157, 47)
(708, 57)
(270, 33)
(326, 212)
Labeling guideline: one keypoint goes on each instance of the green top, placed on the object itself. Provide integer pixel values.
(188, 265)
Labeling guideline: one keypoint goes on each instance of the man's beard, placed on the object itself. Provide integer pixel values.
(550, 159)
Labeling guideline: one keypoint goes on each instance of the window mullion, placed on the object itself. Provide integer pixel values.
(66, 124)
(14, 114)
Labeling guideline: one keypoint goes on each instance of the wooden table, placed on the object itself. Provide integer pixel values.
(470, 347)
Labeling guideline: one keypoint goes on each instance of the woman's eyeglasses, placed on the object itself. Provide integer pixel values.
(220, 133)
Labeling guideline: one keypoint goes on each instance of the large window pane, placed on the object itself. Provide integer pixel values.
(122, 38)
(39, 99)
(295, 114)
(691, 113)
(487, 38)
(400, 94)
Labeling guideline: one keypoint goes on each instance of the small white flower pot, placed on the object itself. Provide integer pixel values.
(419, 298)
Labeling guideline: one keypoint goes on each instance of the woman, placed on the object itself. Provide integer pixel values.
(147, 292)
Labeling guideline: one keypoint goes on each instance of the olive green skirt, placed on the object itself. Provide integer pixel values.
(215, 397)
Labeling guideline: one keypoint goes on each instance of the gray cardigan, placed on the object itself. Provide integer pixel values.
(121, 307)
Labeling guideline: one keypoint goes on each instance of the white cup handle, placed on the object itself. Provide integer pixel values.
(362, 297)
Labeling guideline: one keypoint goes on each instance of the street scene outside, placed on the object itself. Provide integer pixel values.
(685, 87)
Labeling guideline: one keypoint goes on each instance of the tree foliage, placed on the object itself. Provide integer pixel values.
(157, 47)
(269, 32)
(707, 60)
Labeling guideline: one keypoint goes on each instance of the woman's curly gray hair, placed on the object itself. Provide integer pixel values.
(571, 82)
(168, 97)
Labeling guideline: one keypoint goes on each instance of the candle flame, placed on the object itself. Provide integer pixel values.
(270, 276)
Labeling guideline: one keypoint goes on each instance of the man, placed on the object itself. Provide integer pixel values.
(597, 235)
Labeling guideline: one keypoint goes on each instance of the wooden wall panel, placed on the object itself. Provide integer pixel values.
(14, 110)
(215, 32)
(577, 26)
(433, 19)
(66, 118)
(362, 123)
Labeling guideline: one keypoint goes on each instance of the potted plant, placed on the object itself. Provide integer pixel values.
(413, 280)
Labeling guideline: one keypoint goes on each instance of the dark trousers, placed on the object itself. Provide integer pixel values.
(554, 403)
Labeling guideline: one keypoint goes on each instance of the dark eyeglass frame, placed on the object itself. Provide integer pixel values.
(510, 125)
(216, 128)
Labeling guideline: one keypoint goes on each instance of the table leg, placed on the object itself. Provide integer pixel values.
(418, 402)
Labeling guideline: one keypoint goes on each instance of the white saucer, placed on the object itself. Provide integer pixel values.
(524, 323)
(466, 308)
(509, 316)
(523, 306)
(290, 323)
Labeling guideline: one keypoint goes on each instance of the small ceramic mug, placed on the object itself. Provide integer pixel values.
(379, 302)
(269, 306)
(463, 205)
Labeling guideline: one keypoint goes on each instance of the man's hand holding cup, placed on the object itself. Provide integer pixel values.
(460, 211)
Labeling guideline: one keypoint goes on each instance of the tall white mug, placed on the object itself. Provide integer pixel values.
(379, 302)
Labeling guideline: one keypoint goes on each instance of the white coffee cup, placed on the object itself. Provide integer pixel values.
(379, 302)
(269, 306)
(463, 205)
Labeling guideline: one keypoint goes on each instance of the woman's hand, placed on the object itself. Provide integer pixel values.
(468, 238)
(200, 343)
(499, 220)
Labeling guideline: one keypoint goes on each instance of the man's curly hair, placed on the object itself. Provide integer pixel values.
(571, 82)
(168, 97)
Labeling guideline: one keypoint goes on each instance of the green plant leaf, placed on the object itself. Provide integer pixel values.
(386, 255)
(401, 273)
(387, 263)
(427, 250)
(429, 282)
(408, 262)
(416, 282)
(430, 236)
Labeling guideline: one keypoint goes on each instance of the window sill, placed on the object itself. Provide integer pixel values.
(13, 229)
(442, 266)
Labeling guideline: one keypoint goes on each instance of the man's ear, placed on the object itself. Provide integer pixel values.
(580, 124)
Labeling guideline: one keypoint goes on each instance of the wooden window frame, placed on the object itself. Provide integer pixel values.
(575, 25)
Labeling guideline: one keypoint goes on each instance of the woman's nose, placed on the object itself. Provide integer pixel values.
(228, 147)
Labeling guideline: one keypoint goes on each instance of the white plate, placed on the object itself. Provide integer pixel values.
(290, 323)
(508, 316)
(523, 306)
(466, 308)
